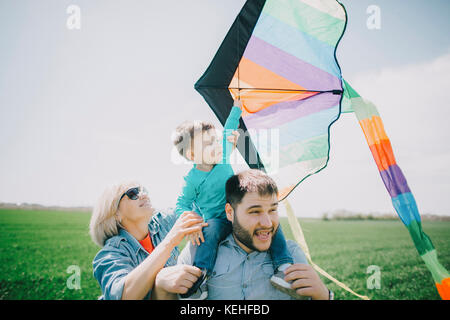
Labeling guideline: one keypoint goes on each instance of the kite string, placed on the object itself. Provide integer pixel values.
(300, 238)
(238, 56)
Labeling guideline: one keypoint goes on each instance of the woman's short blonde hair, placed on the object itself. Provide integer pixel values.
(104, 222)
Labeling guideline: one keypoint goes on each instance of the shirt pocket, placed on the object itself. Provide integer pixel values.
(221, 268)
(270, 292)
(221, 279)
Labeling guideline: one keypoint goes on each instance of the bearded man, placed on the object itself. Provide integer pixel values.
(244, 269)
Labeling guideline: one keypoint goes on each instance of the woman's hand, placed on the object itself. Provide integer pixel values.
(177, 279)
(196, 238)
(187, 223)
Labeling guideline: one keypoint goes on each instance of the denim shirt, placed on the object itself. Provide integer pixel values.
(238, 275)
(122, 253)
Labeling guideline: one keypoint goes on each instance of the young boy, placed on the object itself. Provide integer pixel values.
(204, 193)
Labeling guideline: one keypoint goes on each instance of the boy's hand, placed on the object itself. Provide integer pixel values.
(238, 103)
(233, 138)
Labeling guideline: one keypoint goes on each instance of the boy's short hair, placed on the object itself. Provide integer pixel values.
(252, 180)
(183, 138)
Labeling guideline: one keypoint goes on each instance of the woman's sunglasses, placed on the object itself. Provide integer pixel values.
(133, 193)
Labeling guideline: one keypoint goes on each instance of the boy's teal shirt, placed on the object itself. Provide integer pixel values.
(204, 192)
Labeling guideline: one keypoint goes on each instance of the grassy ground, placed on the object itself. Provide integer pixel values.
(37, 247)
(345, 249)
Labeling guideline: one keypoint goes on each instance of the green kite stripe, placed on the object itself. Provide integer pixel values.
(300, 151)
(306, 19)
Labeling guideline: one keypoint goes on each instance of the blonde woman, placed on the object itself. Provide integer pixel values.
(137, 243)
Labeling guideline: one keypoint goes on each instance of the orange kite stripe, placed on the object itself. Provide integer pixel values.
(259, 77)
(444, 289)
(257, 100)
(254, 75)
(284, 192)
(373, 130)
(378, 142)
(383, 154)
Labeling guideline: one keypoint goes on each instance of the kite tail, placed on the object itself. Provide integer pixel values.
(300, 238)
(395, 182)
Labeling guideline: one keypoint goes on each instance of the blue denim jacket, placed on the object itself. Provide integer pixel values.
(122, 253)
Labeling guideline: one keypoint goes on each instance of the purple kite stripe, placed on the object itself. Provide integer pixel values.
(289, 66)
(394, 180)
(288, 111)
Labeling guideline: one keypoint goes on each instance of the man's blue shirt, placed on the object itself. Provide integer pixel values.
(238, 275)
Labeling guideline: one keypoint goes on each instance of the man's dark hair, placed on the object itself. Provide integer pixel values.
(249, 181)
(183, 138)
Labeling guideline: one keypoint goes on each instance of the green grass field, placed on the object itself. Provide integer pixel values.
(37, 247)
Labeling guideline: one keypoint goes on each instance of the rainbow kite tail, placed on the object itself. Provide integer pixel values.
(440, 274)
(395, 182)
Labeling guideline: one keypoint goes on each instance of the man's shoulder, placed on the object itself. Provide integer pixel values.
(296, 252)
(292, 244)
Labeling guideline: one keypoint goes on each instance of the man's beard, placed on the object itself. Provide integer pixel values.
(244, 236)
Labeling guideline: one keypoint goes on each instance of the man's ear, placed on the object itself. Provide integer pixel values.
(230, 212)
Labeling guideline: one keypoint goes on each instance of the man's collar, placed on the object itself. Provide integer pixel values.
(231, 241)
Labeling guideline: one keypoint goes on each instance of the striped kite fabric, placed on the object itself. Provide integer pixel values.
(396, 184)
(279, 58)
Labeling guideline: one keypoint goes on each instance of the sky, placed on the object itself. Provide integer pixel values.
(84, 108)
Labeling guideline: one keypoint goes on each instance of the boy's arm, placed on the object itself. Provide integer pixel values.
(186, 198)
(231, 125)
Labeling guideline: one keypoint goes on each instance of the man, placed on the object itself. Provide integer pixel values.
(243, 268)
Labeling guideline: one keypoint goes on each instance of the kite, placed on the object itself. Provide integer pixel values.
(279, 58)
